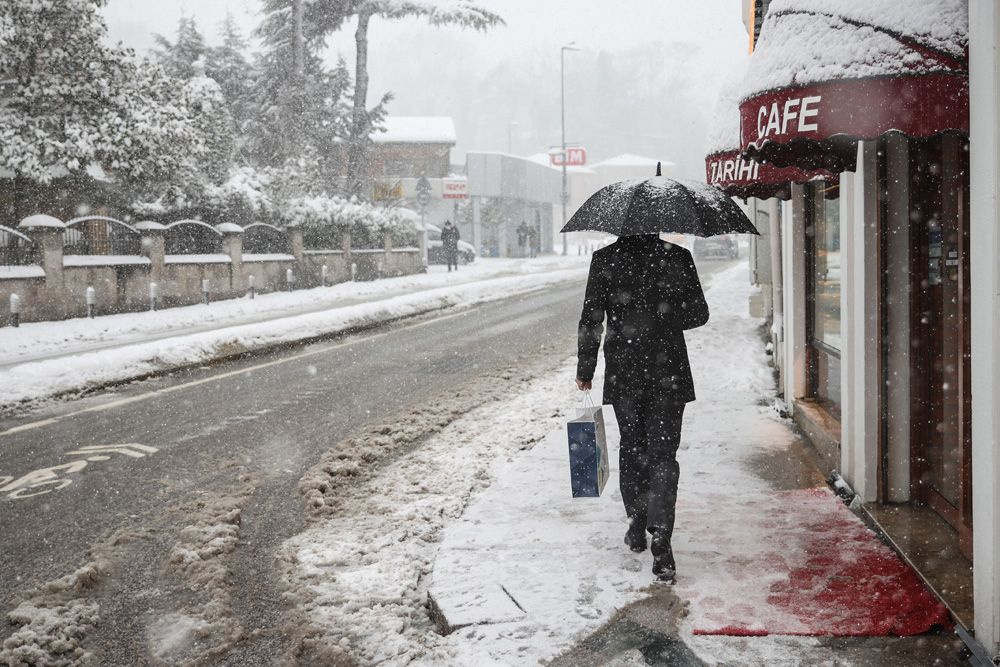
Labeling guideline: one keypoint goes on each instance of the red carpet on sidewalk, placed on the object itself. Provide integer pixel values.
(797, 563)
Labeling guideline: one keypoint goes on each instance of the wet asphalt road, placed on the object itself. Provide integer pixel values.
(268, 417)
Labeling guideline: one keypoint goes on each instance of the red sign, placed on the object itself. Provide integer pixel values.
(575, 157)
(772, 124)
(454, 189)
(741, 177)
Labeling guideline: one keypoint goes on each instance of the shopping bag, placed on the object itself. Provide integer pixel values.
(588, 452)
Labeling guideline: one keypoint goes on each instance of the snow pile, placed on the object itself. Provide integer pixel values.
(359, 575)
(804, 41)
(55, 621)
(39, 379)
(200, 560)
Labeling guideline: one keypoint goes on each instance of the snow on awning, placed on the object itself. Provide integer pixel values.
(742, 177)
(825, 75)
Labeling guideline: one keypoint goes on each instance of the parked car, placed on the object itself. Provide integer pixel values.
(725, 246)
(435, 249)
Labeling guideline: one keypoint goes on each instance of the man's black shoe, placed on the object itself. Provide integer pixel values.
(664, 568)
(635, 538)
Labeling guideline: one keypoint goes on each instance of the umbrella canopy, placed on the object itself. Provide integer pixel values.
(660, 204)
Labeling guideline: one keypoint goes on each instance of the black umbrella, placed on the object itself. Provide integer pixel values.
(660, 204)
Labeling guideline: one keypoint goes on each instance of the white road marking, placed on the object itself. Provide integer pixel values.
(194, 383)
(46, 480)
(133, 449)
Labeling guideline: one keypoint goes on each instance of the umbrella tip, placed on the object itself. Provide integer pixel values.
(659, 172)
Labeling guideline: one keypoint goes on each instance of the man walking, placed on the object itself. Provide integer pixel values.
(522, 239)
(449, 243)
(650, 292)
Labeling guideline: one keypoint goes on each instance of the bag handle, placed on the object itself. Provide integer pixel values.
(588, 400)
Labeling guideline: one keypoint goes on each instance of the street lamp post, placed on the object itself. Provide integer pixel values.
(510, 126)
(562, 107)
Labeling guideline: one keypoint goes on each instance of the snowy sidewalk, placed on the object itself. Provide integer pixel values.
(44, 359)
(530, 571)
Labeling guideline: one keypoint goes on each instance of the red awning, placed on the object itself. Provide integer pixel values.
(742, 177)
(822, 80)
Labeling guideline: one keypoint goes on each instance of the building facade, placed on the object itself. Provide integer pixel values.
(875, 168)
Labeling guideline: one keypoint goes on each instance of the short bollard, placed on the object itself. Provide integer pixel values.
(252, 283)
(154, 295)
(323, 271)
(204, 289)
(15, 310)
(381, 270)
(354, 271)
(91, 299)
(289, 279)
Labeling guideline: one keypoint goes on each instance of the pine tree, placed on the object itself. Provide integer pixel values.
(228, 65)
(181, 57)
(301, 118)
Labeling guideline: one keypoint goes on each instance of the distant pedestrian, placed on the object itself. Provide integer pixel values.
(650, 293)
(533, 237)
(522, 239)
(449, 243)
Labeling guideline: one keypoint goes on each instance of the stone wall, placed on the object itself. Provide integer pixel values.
(56, 287)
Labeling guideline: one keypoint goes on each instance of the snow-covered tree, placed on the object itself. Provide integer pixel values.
(229, 66)
(302, 109)
(70, 101)
(181, 57)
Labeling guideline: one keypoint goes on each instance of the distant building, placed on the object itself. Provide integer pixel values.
(411, 148)
(507, 190)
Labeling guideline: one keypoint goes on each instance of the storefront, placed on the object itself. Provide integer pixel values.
(876, 262)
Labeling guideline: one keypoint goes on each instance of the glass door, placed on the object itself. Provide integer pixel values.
(940, 434)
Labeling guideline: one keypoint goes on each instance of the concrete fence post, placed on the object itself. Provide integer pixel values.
(47, 233)
(232, 245)
(345, 246)
(154, 246)
(296, 244)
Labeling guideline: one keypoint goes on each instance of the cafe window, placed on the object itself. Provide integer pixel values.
(823, 295)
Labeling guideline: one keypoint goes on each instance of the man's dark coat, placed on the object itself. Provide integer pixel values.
(650, 292)
(450, 237)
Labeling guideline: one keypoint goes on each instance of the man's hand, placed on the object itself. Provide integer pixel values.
(584, 385)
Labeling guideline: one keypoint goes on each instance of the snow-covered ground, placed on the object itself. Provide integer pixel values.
(48, 358)
(494, 515)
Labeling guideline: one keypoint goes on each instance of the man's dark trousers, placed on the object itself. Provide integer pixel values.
(650, 435)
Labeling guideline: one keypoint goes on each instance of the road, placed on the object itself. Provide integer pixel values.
(142, 465)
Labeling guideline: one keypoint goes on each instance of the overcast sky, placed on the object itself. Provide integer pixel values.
(534, 27)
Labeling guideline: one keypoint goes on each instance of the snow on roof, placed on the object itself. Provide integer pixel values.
(417, 130)
(724, 129)
(939, 24)
(810, 41)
